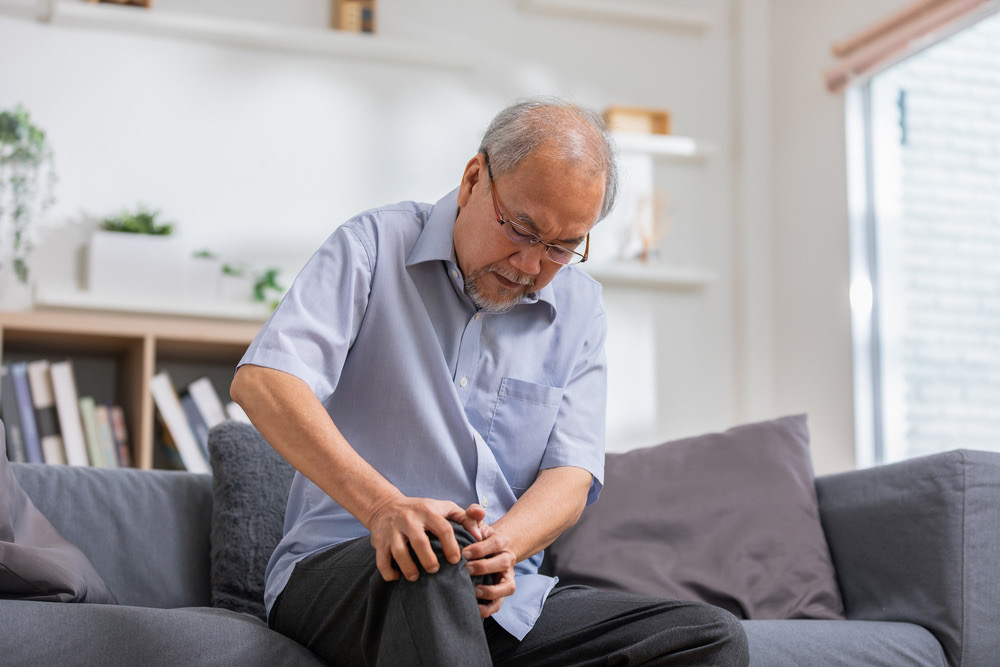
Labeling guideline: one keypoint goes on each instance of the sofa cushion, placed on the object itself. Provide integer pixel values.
(36, 563)
(145, 531)
(250, 490)
(726, 518)
(841, 644)
(124, 635)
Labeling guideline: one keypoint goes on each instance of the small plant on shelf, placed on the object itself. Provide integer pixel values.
(27, 182)
(265, 284)
(143, 221)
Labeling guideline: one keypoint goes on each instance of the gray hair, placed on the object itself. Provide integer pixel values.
(580, 135)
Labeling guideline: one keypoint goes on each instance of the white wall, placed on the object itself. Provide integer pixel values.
(258, 155)
(809, 232)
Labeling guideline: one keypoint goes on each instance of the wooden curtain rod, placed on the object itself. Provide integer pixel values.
(867, 58)
(888, 24)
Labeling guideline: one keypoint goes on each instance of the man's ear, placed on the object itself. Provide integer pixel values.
(474, 171)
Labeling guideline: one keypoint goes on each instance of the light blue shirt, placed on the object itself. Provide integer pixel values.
(445, 400)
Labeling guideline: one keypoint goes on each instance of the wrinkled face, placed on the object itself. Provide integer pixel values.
(557, 200)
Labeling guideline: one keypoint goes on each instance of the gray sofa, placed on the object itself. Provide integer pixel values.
(915, 545)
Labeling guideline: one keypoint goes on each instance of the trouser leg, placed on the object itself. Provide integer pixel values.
(337, 605)
(585, 626)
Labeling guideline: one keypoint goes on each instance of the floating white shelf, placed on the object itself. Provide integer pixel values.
(236, 32)
(665, 146)
(158, 305)
(649, 276)
(644, 16)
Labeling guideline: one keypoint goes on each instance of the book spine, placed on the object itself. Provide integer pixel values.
(207, 400)
(68, 408)
(45, 412)
(121, 435)
(11, 418)
(88, 415)
(26, 411)
(198, 425)
(104, 434)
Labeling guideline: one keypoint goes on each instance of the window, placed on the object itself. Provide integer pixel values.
(924, 182)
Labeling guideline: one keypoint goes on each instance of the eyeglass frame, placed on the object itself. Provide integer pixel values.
(531, 238)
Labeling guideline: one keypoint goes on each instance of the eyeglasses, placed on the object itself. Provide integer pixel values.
(523, 236)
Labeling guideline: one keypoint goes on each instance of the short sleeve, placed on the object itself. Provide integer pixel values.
(314, 326)
(578, 436)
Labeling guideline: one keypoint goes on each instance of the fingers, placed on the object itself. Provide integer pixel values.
(487, 610)
(495, 563)
(470, 519)
(491, 596)
(492, 543)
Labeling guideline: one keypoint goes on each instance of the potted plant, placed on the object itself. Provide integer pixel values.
(134, 253)
(27, 180)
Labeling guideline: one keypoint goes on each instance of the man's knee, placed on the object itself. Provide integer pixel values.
(727, 636)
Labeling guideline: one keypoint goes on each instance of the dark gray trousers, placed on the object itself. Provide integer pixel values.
(337, 605)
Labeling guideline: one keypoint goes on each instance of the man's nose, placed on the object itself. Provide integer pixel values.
(529, 259)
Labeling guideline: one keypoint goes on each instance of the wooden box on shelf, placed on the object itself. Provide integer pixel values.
(135, 347)
(354, 15)
(634, 119)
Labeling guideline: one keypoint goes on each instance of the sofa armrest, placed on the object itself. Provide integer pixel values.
(919, 541)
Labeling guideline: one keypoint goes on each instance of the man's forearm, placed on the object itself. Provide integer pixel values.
(552, 504)
(290, 417)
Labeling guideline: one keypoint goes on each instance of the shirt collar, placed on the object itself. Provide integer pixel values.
(437, 243)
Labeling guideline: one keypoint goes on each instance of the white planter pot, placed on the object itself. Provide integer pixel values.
(121, 263)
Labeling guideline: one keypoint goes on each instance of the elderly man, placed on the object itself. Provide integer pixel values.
(436, 376)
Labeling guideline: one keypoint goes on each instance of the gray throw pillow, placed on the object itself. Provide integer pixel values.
(36, 563)
(726, 518)
(250, 483)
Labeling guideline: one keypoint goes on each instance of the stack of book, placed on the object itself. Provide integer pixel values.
(187, 417)
(47, 422)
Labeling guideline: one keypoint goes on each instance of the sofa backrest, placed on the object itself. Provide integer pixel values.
(145, 532)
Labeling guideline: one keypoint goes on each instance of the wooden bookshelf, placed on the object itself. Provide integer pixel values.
(134, 347)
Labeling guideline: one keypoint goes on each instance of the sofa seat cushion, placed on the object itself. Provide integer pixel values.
(802, 643)
(39, 633)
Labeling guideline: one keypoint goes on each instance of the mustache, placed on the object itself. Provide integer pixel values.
(513, 276)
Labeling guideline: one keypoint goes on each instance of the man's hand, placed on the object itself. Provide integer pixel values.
(402, 523)
(492, 554)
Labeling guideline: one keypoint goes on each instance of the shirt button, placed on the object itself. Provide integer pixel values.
(464, 381)
(454, 273)
(478, 315)
(485, 502)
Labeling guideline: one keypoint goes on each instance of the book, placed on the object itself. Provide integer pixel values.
(165, 455)
(68, 409)
(88, 415)
(106, 436)
(45, 412)
(236, 413)
(206, 398)
(26, 411)
(169, 406)
(198, 425)
(11, 418)
(121, 435)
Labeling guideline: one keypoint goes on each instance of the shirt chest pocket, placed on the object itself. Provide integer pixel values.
(523, 419)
